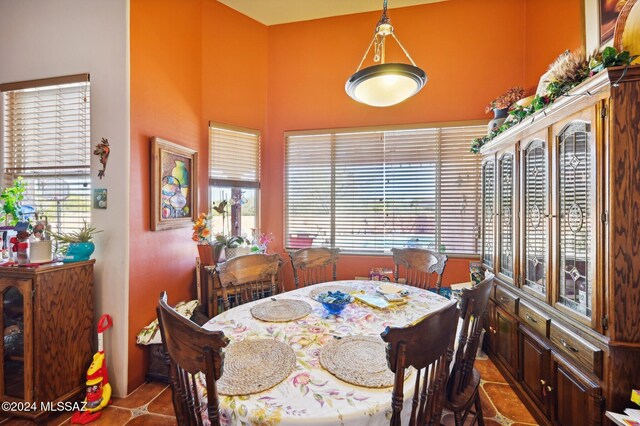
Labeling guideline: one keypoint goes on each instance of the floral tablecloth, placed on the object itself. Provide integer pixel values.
(312, 395)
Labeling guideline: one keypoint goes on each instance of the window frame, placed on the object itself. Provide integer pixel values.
(382, 128)
(234, 183)
(84, 83)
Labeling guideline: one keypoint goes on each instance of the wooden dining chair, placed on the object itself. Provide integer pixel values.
(249, 277)
(312, 265)
(426, 345)
(463, 393)
(420, 266)
(191, 349)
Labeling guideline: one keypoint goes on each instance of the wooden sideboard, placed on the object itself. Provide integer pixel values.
(561, 232)
(50, 312)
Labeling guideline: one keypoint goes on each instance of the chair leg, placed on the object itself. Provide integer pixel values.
(478, 406)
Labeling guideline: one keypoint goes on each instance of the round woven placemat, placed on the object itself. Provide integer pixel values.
(281, 310)
(359, 360)
(254, 365)
(316, 291)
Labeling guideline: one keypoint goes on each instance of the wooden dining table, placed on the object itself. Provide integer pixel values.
(311, 395)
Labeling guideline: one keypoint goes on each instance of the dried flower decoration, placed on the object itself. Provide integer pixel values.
(569, 69)
(506, 99)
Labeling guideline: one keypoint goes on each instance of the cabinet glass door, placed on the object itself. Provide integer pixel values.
(488, 198)
(13, 367)
(506, 249)
(575, 229)
(535, 227)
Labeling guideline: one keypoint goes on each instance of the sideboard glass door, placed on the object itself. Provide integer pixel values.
(535, 227)
(575, 221)
(488, 216)
(506, 208)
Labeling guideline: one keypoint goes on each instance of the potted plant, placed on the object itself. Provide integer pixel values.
(77, 245)
(208, 251)
(500, 106)
(11, 198)
(233, 245)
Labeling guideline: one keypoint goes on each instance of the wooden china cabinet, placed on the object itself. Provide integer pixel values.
(49, 333)
(561, 232)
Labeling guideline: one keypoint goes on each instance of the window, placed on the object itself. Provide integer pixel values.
(46, 140)
(234, 179)
(369, 191)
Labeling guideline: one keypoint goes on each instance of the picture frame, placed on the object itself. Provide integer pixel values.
(174, 185)
(600, 18)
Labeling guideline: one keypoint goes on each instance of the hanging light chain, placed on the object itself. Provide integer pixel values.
(403, 49)
(379, 38)
(365, 54)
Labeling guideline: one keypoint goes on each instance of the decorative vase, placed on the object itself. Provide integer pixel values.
(209, 253)
(499, 116)
(181, 173)
(78, 252)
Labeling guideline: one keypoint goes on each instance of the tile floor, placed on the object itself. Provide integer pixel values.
(150, 405)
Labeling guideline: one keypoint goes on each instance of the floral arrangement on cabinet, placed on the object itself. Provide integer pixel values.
(210, 244)
(566, 72)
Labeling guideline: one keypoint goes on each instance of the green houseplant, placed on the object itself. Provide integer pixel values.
(76, 245)
(10, 198)
(233, 245)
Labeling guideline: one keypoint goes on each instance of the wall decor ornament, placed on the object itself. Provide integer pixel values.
(102, 150)
(609, 11)
(173, 185)
(600, 20)
(627, 30)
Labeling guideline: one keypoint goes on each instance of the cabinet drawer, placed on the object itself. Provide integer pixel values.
(507, 300)
(577, 348)
(534, 319)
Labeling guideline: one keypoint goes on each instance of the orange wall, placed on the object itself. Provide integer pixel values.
(552, 26)
(187, 59)
(197, 60)
(466, 60)
(234, 68)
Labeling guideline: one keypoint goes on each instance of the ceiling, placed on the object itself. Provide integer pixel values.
(273, 12)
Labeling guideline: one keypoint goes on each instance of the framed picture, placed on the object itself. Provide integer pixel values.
(174, 185)
(609, 11)
(600, 21)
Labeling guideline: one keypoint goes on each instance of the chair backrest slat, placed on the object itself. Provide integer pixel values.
(473, 306)
(425, 345)
(249, 277)
(190, 350)
(312, 265)
(420, 266)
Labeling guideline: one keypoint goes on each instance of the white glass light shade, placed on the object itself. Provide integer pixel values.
(385, 84)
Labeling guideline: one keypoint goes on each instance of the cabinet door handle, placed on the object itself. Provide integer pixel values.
(549, 389)
(568, 346)
(542, 382)
(532, 319)
(504, 299)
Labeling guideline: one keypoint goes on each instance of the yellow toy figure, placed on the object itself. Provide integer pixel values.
(98, 387)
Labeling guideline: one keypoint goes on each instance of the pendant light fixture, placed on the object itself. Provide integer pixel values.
(385, 84)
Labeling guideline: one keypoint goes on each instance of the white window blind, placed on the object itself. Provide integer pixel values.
(46, 140)
(369, 191)
(234, 177)
(234, 156)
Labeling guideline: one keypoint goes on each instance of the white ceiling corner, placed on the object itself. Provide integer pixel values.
(273, 12)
